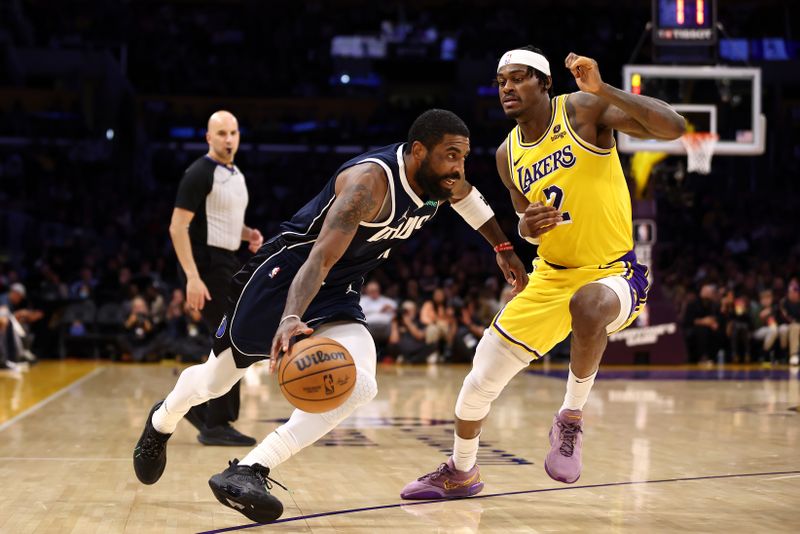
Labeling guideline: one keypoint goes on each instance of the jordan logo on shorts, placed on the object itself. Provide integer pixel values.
(222, 325)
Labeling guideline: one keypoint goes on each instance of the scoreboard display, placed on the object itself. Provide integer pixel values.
(684, 22)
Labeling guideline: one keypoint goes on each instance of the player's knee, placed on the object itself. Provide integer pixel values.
(592, 308)
(364, 391)
(368, 389)
(476, 396)
(215, 377)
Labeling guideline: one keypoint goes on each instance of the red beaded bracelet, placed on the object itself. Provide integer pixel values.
(502, 247)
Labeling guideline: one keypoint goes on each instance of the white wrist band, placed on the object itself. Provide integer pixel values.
(474, 209)
(289, 317)
(532, 240)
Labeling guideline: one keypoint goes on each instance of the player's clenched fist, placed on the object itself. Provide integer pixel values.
(586, 72)
(539, 218)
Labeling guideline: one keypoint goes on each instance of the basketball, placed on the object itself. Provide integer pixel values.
(317, 375)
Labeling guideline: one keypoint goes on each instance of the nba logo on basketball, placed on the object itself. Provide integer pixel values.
(328, 379)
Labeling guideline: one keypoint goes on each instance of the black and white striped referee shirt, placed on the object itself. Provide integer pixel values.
(217, 195)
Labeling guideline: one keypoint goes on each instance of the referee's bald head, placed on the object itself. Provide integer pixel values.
(222, 118)
(222, 136)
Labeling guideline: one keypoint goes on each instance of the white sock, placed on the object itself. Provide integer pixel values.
(165, 422)
(577, 391)
(273, 451)
(465, 452)
(301, 430)
(196, 385)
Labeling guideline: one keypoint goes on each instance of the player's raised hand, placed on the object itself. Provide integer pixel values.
(586, 72)
(288, 328)
(539, 218)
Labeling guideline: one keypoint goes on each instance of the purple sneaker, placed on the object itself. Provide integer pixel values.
(563, 462)
(445, 483)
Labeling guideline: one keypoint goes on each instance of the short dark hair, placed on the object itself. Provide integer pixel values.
(541, 76)
(430, 127)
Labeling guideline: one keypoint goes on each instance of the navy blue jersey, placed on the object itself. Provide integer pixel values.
(373, 240)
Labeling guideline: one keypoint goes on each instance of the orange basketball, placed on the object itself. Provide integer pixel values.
(317, 375)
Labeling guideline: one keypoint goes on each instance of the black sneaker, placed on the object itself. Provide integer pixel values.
(246, 488)
(150, 454)
(224, 435)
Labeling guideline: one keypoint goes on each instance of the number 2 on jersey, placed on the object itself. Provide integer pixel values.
(558, 193)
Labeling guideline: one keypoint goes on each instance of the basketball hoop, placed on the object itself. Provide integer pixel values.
(699, 150)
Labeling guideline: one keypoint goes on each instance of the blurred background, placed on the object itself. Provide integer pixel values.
(103, 105)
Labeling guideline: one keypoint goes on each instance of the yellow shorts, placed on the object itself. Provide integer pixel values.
(538, 318)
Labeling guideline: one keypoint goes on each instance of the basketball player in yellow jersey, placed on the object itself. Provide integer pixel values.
(562, 170)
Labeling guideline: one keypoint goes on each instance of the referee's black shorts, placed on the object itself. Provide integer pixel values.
(216, 266)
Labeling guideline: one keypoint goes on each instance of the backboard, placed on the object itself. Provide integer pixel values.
(717, 99)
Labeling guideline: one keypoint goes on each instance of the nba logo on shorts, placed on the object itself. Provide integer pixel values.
(222, 325)
(328, 380)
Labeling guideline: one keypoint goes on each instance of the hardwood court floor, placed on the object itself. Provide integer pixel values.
(664, 451)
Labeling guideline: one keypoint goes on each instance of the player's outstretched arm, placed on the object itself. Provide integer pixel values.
(636, 115)
(473, 208)
(360, 191)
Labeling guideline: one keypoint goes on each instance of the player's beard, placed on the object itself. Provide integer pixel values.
(431, 182)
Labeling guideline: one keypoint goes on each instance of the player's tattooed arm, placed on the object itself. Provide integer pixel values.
(360, 191)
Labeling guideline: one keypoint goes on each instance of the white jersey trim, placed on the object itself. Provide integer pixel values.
(390, 177)
(236, 308)
(404, 180)
(324, 210)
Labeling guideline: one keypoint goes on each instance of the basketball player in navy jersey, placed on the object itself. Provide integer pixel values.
(307, 281)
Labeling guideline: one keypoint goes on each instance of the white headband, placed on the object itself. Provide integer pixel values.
(525, 57)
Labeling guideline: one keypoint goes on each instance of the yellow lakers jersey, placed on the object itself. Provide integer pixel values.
(583, 181)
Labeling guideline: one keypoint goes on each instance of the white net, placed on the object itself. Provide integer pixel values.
(699, 151)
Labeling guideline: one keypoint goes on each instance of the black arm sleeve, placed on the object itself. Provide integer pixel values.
(195, 185)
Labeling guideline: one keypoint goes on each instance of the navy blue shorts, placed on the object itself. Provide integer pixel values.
(257, 298)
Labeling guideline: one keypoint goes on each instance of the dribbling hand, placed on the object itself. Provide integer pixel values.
(586, 72)
(283, 337)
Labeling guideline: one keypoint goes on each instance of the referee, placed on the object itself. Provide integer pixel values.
(207, 229)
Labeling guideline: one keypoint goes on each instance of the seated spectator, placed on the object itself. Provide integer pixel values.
(701, 322)
(83, 288)
(156, 305)
(469, 331)
(738, 325)
(439, 321)
(139, 331)
(379, 311)
(175, 313)
(193, 340)
(407, 337)
(764, 314)
(790, 316)
(9, 342)
(17, 337)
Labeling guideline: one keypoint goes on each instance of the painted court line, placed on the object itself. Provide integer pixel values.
(54, 396)
(506, 494)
